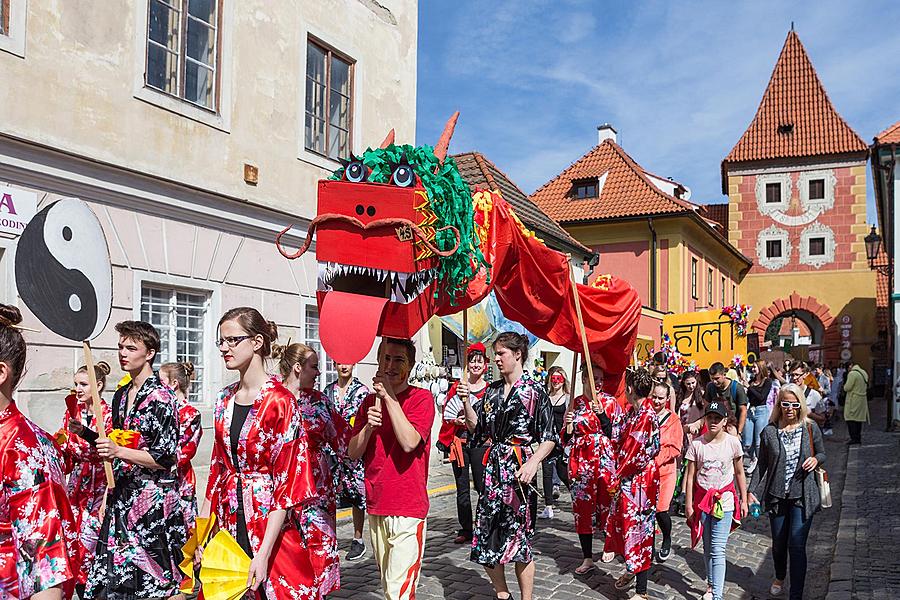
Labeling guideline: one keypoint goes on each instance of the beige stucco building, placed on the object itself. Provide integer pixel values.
(196, 131)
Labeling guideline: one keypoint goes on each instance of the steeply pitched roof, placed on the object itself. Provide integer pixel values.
(478, 171)
(624, 190)
(718, 213)
(891, 135)
(795, 118)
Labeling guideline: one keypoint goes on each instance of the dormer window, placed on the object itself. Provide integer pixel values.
(586, 189)
(786, 128)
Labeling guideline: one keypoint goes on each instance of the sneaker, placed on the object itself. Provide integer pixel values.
(357, 550)
(463, 538)
(828, 431)
(637, 596)
(777, 588)
(607, 557)
(624, 581)
(663, 554)
(547, 513)
(752, 466)
(556, 492)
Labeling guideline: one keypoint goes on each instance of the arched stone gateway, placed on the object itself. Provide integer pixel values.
(816, 316)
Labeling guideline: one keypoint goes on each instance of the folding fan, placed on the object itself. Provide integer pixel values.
(453, 408)
(202, 529)
(126, 438)
(224, 569)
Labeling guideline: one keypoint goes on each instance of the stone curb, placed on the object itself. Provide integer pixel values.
(840, 584)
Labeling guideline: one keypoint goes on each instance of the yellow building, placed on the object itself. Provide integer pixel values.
(796, 184)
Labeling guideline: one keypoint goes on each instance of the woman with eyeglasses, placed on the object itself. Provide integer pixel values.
(261, 462)
(791, 448)
(558, 391)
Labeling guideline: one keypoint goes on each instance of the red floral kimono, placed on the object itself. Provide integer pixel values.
(38, 539)
(590, 455)
(274, 472)
(190, 431)
(631, 524)
(86, 482)
(317, 521)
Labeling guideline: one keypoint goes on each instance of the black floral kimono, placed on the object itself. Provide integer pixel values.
(143, 530)
(504, 521)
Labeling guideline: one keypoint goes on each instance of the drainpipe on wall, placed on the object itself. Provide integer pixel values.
(653, 247)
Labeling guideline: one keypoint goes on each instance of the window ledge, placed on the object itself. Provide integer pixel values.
(183, 108)
(14, 40)
(317, 160)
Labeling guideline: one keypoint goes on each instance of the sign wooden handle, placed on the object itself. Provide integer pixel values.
(98, 407)
(571, 428)
(465, 356)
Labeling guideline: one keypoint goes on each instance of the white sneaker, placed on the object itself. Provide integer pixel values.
(752, 466)
(547, 513)
(828, 432)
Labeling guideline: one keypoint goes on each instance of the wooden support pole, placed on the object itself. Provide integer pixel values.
(584, 340)
(465, 356)
(98, 406)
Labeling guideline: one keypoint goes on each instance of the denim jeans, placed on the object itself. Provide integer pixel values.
(789, 533)
(715, 537)
(757, 418)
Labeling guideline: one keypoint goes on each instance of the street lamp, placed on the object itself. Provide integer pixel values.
(873, 244)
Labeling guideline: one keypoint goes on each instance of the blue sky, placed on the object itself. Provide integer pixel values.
(679, 80)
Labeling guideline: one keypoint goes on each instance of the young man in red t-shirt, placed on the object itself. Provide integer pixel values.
(392, 434)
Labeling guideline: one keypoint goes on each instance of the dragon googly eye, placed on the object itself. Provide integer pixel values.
(356, 171)
(403, 176)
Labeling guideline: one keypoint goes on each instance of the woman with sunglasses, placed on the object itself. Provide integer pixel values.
(558, 391)
(261, 462)
(791, 447)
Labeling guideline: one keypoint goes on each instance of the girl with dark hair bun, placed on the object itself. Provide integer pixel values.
(86, 482)
(261, 461)
(38, 550)
(179, 376)
(631, 525)
(514, 414)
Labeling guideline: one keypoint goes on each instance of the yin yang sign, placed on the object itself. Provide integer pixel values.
(63, 272)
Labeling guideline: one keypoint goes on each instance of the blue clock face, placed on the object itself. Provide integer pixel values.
(63, 273)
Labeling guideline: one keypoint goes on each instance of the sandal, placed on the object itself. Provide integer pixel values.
(585, 569)
(624, 581)
(607, 557)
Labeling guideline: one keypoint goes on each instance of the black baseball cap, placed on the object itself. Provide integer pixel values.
(716, 407)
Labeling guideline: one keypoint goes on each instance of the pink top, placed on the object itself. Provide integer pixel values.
(715, 464)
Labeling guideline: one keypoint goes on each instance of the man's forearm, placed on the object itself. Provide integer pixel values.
(406, 434)
(742, 417)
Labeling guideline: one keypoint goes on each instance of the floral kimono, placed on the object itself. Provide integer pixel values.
(86, 480)
(327, 443)
(191, 431)
(590, 456)
(143, 530)
(631, 524)
(274, 472)
(38, 545)
(350, 475)
(504, 522)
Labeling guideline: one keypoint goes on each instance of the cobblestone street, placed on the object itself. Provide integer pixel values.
(447, 572)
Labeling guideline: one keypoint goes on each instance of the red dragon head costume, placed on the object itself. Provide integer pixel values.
(400, 238)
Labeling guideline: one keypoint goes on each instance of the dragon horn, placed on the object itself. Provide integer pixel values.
(388, 139)
(440, 149)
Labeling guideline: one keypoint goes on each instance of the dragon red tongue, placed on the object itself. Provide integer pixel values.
(348, 325)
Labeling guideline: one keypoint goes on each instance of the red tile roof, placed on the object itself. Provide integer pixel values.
(718, 213)
(794, 97)
(479, 172)
(626, 191)
(891, 135)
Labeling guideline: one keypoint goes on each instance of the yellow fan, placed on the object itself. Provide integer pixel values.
(202, 529)
(126, 438)
(224, 569)
(61, 437)
(124, 381)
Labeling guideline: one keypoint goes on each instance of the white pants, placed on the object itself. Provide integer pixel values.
(398, 544)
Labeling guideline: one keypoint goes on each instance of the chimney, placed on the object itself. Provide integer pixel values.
(607, 132)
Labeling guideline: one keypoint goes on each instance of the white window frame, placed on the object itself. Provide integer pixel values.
(821, 204)
(213, 362)
(13, 40)
(7, 270)
(220, 120)
(817, 230)
(773, 233)
(324, 378)
(345, 47)
(767, 208)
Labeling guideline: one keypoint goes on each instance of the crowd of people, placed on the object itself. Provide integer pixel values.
(286, 454)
